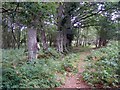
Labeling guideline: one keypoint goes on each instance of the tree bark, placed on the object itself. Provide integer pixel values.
(32, 44)
(102, 42)
(18, 38)
(60, 41)
(96, 43)
(64, 26)
(5, 43)
(43, 40)
(65, 42)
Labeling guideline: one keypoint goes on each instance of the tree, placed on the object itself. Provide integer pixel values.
(65, 35)
(32, 16)
(38, 16)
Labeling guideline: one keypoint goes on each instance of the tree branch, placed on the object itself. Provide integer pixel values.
(92, 14)
(90, 25)
(4, 10)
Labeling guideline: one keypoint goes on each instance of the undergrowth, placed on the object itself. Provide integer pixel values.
(42, 73)
(103, 67)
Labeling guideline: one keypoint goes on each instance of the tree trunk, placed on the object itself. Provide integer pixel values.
(43, 40)
(32, 44)
(5, 36)
(60, 41)
(64, 26)
(65, 42)
(102, 42)
(18, 38)
(97, 43)
(50, 40)
(67, 25)
(78, 38)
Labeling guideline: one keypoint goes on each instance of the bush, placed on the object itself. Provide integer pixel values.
(103, 66)
(42, 73)
(17, 72)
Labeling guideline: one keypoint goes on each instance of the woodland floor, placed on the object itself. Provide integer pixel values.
(76, 80)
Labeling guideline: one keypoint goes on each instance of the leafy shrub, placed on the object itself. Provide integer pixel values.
(50, 52)
(42, 73)
(17, 72)
(103, 66)
(38, 75)
(69, 62)
(10, 59)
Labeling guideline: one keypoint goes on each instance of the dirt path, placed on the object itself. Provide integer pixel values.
(76, 81)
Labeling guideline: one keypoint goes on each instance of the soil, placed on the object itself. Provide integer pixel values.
(76, 81)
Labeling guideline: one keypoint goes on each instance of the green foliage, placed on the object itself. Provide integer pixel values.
(41, 73)
(103, 66)
(28, 11)
(69, 62)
